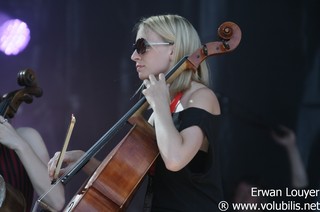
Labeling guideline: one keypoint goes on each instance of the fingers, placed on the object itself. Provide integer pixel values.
(155, 87)
(69, 159)
(3, 120)
(153, 80)
(162, 78)
(52, 164)
(146, 83)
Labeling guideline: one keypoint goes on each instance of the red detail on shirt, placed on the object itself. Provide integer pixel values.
(175, 102)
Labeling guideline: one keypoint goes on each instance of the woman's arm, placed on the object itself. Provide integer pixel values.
(288, 140)
(177, 148)
(32, 152)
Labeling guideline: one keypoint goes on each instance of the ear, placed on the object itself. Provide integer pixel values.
(172, 53)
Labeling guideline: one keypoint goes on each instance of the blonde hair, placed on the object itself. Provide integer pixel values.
(176, 29)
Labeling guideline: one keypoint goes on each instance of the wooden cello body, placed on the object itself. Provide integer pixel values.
(102, 192)
(10, 198)
(115, 181)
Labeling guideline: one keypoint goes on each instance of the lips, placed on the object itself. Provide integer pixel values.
(139, 67)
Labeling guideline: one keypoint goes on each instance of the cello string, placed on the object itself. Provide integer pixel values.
(39, 200)
(137, 91)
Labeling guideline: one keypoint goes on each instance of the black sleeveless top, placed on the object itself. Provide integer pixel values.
(198, 186)
(14, 173)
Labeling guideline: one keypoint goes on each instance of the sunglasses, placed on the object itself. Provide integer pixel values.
(142, 44)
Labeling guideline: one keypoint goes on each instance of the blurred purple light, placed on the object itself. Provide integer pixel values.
(14, 36)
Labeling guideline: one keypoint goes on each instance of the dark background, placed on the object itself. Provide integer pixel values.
(80, 51)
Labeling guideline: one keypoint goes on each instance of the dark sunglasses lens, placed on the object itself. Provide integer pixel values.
(140, 46)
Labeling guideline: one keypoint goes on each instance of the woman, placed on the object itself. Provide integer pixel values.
(23, 159)
(187, 175)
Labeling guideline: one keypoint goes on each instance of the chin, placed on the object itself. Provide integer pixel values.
(142, 76)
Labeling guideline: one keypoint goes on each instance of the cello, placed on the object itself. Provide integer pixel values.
(113, 184)
(12, 199)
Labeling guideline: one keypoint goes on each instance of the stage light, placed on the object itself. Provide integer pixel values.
(14, 36)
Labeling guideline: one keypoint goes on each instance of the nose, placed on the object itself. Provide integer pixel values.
(135, 56)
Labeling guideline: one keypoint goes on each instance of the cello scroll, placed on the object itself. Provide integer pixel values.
(10, 102)
(229, 35)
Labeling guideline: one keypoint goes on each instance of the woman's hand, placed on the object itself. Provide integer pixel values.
(69, 160)
(286, 138)
(157, 91)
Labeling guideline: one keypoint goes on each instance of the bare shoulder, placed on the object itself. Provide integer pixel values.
(204, 98)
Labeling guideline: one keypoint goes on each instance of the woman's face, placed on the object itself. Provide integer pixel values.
(157, 58)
